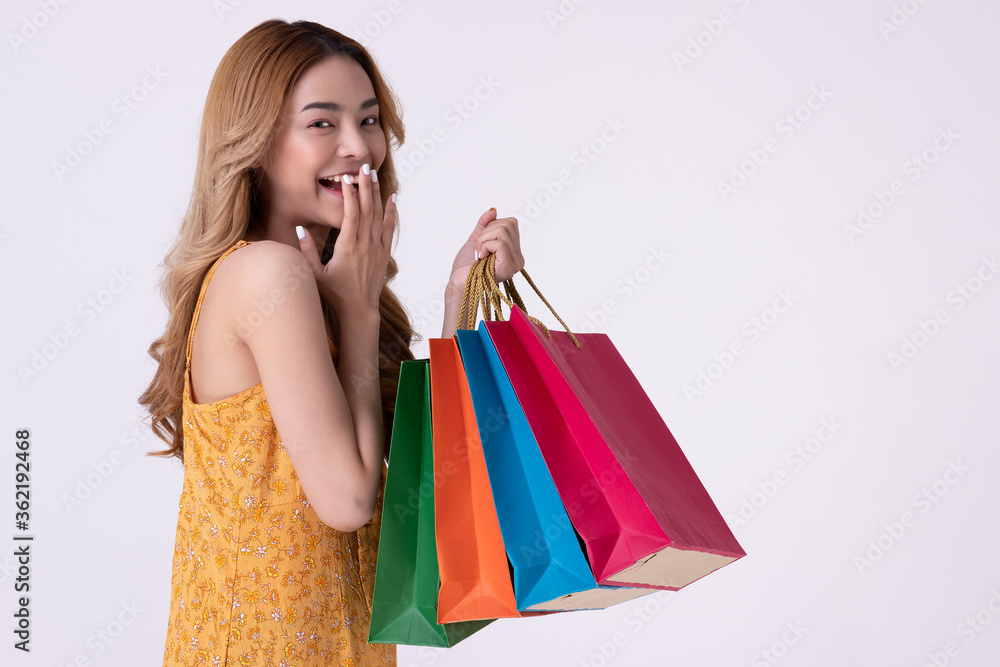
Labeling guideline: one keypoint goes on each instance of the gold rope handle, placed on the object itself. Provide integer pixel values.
(482, 289)
(476, 292)
(481, 286)
(475, 289)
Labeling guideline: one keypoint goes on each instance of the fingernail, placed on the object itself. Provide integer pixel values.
(374, 177)
(347, 179)
(493, 209)
(365, 168)
(393, 197)
(300, 231)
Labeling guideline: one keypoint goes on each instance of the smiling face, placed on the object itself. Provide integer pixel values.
(330, 126)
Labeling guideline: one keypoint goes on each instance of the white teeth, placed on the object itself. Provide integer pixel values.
(339, 178)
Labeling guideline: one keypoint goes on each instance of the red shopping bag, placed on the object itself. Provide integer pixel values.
(643, 513)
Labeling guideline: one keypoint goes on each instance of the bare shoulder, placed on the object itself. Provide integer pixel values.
(264, 264)
(263, 270)
(263, 289)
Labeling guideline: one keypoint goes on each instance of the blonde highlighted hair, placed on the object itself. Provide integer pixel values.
(240, 120)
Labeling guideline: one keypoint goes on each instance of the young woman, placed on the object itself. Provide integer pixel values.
(278, 369)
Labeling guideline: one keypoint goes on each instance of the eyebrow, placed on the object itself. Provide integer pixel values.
(333, 106)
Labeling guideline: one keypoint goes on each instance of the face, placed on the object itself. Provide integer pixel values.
(330, 126)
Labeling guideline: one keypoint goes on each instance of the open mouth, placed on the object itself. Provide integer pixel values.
(332, 184)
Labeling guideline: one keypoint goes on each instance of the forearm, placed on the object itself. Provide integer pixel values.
(452, 307)
(358, 370)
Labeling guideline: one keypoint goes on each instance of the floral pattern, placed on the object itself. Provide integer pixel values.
(257, 578)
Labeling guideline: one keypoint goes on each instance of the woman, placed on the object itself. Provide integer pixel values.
(277, 372)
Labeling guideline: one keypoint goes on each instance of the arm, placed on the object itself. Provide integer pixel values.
(330, 420)
(358, 372)
(452, 307)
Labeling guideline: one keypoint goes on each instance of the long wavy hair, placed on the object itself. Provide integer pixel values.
(241, 118)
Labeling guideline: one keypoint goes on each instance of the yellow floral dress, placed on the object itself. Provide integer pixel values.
(257, 578)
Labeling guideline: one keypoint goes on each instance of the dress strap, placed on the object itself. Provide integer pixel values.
(201, 296)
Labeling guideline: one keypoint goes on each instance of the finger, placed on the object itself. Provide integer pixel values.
(484, 220)
(501, 272)
(365, 222)
(378, 213)
(492, 238)
(349, 227)
(308, 248)
(497, 247)
(515, 233)
(389, 222)
(508, 254)
(506, 230)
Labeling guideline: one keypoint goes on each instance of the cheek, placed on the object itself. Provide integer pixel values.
(377, 149)
(291, 163)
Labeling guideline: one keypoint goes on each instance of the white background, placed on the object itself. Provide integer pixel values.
(652, 185)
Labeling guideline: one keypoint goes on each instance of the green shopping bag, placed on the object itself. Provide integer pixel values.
(404, 601)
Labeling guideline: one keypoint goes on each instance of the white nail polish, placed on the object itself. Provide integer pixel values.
(365, 168)
(374, 177)
(347, 179)
(300, 231)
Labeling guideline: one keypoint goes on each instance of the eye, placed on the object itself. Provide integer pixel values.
(374, 119)
(319, 121)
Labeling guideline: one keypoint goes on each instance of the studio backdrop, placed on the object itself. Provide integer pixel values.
(784, 214)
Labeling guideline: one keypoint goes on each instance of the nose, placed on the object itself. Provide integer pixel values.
(353, 144)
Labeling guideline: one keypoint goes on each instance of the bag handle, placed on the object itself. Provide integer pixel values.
(482, 287)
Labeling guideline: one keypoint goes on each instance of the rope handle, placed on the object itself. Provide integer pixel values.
(481, 288)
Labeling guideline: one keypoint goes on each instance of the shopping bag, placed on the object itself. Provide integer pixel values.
(634, 498)
(475, 574)
(549, 568)
(404, 602)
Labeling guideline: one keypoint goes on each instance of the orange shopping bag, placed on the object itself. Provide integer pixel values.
(475, 576)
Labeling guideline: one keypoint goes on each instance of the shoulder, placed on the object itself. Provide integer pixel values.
(265, 278)
(264, 257)
(260, 267)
